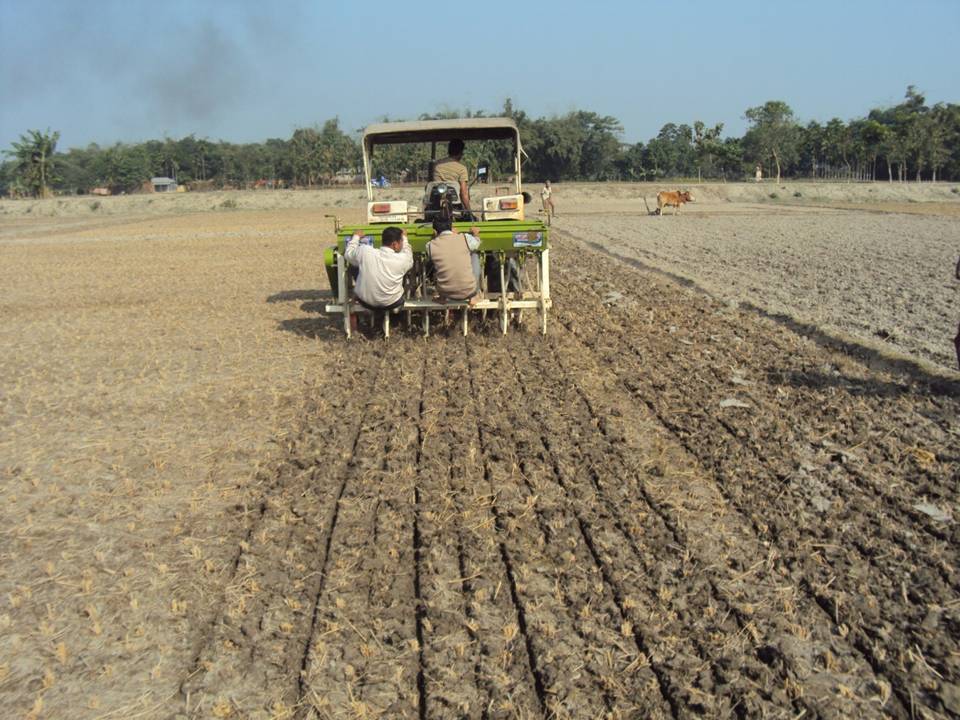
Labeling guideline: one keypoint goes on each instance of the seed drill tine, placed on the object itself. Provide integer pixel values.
(541, 302)
(465, 313)
(484, 285)
(545, 280)
(544, 285)
(503, 298)
(342, 292)
(423, 295)
(386, 325)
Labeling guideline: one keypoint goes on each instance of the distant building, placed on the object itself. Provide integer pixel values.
(163, 184)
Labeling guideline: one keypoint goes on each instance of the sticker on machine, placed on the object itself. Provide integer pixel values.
(528, 239)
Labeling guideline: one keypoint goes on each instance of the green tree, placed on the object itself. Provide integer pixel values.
(869, 137)
(558, 154)
(672, 153)
(945, 148)
(335, 150)
(730, 157)
(122, 168)
(837, 146)
(319, 154)
(306, 166)
(811, 148)
(707, 142)
(601, 144)
(630, 162)
(34, 161)
(8, 180)
(773, 134)
(75, 168)
(907, 136)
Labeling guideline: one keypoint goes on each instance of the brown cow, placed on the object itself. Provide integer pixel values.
(667, 198)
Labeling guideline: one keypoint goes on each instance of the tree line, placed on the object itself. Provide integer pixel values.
(909, 141)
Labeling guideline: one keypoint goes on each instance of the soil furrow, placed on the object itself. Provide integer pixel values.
(620, 526)
(587, 621)
(253, 657)
(783, 632)
(360, 658)
(851, 423)
(657, 390)
(845, 406)
(599, 535)
(454, 654)
(418, 552)
(504, 662)
(574, 630)
(682, 433)
(524, 476)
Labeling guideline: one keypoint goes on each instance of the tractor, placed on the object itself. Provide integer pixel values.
(514, 250)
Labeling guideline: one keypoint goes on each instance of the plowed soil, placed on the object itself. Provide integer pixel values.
(686, 500)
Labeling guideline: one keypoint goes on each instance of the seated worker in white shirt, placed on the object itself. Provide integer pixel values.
(379, 285)
(455, 260)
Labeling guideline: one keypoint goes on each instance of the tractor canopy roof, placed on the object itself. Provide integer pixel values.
(421, 131)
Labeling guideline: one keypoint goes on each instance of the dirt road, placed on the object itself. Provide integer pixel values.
(668, 507)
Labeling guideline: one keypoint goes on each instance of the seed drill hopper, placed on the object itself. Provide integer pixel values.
(514, 250)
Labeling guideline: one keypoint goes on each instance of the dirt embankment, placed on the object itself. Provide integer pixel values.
(584, 197)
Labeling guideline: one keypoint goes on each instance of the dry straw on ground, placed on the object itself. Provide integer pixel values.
(178, 423)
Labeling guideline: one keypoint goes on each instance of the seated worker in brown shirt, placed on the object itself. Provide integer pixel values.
(456, 262)
(451, 170)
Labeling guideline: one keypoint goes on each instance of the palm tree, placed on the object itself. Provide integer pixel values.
(34, 155)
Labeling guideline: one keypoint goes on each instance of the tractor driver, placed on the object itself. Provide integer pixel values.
(451, 170)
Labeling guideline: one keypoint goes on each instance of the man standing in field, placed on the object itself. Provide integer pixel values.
(380, 282)
(451, 170)
(546, 198)
(455, 260)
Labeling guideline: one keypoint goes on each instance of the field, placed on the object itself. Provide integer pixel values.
(725, 484)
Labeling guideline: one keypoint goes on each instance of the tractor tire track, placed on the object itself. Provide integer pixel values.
(359, 659)
(251, 656)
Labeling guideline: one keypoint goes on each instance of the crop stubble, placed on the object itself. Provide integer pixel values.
(577, 525)
(574, 525)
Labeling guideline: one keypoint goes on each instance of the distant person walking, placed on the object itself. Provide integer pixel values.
(546, 199)
(759, 174)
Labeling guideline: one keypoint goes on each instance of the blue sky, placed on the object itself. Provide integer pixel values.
(241, 71)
